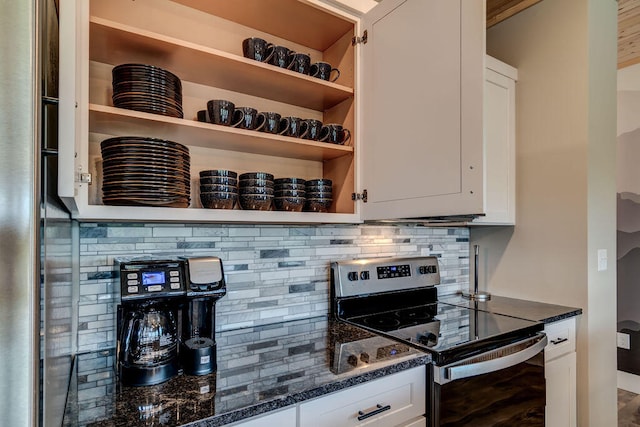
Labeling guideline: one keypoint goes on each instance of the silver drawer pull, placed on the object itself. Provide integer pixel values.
(379, 409)
(559, 340)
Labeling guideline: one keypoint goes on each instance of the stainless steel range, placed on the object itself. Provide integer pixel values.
(488, 369)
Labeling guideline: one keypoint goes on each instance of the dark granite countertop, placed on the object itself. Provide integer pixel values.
(523, 309)
(259, 369)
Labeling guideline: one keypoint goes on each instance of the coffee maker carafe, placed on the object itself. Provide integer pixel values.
(149, 321)
(205, 285)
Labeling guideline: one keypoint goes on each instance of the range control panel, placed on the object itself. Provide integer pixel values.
(145, 279)
(373, 275)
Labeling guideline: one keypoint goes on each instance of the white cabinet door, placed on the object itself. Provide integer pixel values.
(390, 401)
(499, 144)
(560, 374)
(284, 418)
(421, 103)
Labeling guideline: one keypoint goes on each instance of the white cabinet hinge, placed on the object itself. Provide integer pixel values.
(84, 178)
(359, 196)
(356, 40)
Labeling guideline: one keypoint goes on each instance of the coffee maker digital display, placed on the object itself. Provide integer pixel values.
(153, 278)
(166, 318)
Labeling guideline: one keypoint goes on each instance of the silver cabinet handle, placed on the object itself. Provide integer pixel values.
(559, 341)
(379, 409)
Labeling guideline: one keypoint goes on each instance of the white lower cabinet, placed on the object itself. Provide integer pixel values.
(560, 373)
(395, 400)
(284, 418)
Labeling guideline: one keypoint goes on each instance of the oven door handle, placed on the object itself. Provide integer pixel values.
(491, 361)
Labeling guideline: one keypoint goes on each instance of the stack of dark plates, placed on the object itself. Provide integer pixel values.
(218, 188)
(289, 194)
(319, 195)
(256, 191)
(147, 88)
(140, 171)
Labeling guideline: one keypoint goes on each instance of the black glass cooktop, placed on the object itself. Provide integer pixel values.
(450, 333)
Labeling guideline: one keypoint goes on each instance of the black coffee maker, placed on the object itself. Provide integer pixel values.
(205, 285)
(148, 321)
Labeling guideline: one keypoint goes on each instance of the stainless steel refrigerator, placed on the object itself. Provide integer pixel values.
(36, 235)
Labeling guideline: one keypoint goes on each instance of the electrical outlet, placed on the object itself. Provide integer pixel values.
(624, 340)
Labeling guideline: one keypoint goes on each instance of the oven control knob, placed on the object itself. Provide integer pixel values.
(352, 276)
(427, 269)
(364, 357)
(364, 275)
(352, 360)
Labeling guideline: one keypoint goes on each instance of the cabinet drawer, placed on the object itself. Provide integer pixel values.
(403, 394)
(562, 338)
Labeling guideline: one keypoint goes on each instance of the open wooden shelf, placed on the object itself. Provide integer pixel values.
(195, 215)
(121, 122)
(115, 43)
(311, 27)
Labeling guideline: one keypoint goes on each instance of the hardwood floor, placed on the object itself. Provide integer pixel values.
(628, 409)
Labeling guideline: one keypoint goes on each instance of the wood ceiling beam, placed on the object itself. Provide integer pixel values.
(499, 10)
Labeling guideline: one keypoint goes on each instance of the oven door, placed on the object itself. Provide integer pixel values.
(503, 387)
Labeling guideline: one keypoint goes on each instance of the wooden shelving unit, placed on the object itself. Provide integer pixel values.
(120, 122)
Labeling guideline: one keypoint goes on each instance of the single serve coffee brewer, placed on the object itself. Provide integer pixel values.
(166, 318)
(204, 286)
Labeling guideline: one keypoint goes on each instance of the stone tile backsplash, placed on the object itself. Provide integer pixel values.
(273, 272)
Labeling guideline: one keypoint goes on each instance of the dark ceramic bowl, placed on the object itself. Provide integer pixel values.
(218, 172)
(279, 187)
(316, 182)
(319, 195)
(256, 202)
(319, 188)
(292, 204)
(298, 181)
(208, 180)
(257, 175)
(256, 190)
(290, 193)
(218, 200)
(317, 205)
(255, 183)
(208, 188)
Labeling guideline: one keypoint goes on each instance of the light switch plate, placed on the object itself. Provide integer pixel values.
(602, 259)
(624, 340)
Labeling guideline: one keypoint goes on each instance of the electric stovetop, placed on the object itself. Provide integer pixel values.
(397, 298)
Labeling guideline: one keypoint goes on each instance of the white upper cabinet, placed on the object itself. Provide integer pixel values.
(411, 97)
(499, 144)
(422, 77)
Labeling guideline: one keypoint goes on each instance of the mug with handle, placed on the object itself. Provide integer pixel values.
(323, 70)
(257, 49)
(335, 134)
(268, 122)
(245, 118)
(310, 129)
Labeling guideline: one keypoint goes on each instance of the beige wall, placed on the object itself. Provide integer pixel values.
(565, 52)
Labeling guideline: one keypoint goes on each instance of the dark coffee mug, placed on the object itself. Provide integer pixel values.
(310, 129)
(257, 48)
(245, 117)
(323, 70)
(335, 134)
(268, 122)
(290, 126)
(221, 112)
(300, 62)
(203, 116)
(281, 57)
